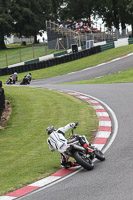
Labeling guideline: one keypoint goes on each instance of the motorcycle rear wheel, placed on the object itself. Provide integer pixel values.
(83, 161)
(99, 155)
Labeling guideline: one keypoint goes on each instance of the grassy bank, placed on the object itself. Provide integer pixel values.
(77, 64)
(24, 153)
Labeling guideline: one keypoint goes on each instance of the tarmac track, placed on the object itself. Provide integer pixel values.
(92, 72)
(112, 179)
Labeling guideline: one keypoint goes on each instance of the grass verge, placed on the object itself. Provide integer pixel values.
(24, 153)
(77, 64)
(125, 76)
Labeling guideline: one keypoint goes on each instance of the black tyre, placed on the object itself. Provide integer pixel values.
(83, 161)
(99, 155)
(8, 82)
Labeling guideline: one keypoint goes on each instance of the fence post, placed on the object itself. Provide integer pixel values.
(33, 51)
(20, 55)
(6, 60)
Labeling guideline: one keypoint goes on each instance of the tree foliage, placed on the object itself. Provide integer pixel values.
(77, 9)
(6, 21)
(27, 18)
(23, 18)
(115, 12)
(30, 16)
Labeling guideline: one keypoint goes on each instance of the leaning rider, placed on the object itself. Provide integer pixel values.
(58, 141)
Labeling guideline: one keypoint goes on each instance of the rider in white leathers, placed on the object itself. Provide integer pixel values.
(58, 141)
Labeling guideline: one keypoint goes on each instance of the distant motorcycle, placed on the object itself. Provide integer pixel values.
(10, 80)
(25, 81)
(83, 156)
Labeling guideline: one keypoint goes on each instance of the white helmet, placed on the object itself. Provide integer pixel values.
(50, 129)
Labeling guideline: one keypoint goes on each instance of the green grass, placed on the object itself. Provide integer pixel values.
(24, 154)
(18, 53)
(77, 64)
(125, 76)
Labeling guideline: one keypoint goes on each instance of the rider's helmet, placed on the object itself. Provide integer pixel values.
(15, 73)
(29, 73)
(50, 129)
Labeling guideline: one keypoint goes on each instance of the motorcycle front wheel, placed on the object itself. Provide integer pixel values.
(82, 160)
(99, 155)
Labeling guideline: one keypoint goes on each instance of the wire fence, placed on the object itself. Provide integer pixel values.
(17, 55)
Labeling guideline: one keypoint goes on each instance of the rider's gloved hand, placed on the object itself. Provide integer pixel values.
(76, 124)
(72, 125)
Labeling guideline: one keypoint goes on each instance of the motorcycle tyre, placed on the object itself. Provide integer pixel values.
(8, 82)
(87, 165)
(99, 155)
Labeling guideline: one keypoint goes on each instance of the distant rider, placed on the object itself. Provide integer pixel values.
(28, 76)
(57, 141)
(26, 80)
(15, 77)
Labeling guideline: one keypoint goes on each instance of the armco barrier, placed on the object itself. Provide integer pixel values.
(130, 40)
(83, 47)
(107, 46)
(31, 61)
(60, 53)
(51, 62)
(110, 41)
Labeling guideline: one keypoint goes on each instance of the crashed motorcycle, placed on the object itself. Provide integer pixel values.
(83, 156)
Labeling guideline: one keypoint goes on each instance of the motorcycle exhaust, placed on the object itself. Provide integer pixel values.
(77, 147)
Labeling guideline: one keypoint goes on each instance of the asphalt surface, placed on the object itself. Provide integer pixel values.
(92, 72)
(113, 178)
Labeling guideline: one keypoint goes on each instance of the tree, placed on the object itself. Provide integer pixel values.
(77, 9)
(108, 10)
(30, 17)
(23, 18)
(55, 9)
(129, 9)
(6, 21)
(115, 12)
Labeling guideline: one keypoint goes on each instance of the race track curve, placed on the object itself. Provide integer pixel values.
(112, 179)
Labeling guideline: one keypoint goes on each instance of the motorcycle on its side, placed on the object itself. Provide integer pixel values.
(83, 156)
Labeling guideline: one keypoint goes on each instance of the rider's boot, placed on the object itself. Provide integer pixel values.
(74, 164)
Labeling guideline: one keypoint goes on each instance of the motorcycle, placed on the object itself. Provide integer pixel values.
(25, 81)
(83, 156)
(10, 81)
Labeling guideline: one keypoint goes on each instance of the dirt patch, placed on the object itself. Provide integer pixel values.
(5, 115)
(93, 135)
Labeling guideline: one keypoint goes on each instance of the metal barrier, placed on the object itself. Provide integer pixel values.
(109, 45)
(130, 40)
